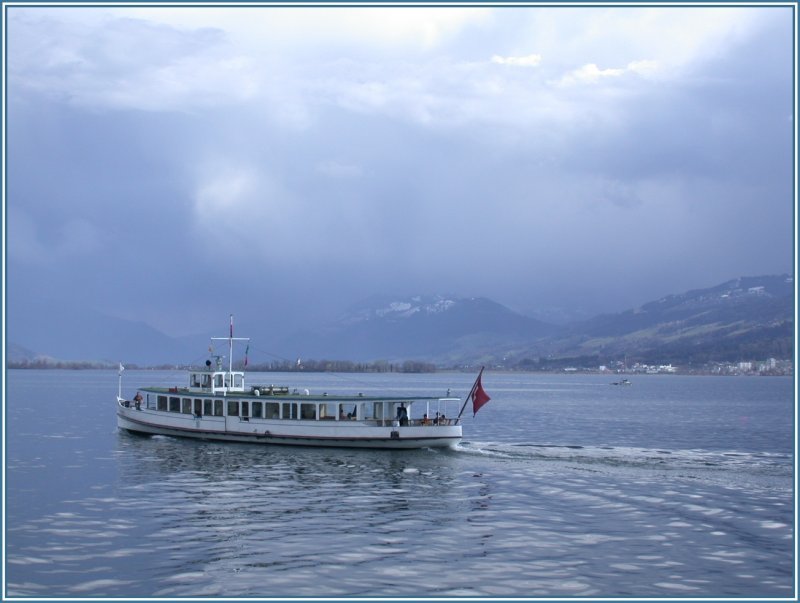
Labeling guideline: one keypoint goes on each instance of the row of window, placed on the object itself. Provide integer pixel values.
(256, 410)
(274, 410)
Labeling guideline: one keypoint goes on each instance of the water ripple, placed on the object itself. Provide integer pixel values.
(97, 513)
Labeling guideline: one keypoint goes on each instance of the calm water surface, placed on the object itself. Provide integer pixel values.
(564, 486)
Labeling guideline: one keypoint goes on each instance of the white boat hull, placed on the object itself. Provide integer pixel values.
(350, 434)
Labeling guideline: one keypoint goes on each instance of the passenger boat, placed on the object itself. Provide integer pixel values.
(215, 404)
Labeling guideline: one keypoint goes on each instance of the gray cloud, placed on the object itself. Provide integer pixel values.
(182, 172)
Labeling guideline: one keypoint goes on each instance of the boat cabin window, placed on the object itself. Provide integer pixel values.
(308, 411)
(377, 410)
(289, 410)
(328, 411)
(245, 409)
(257, 408)
(271, 410)
(348, 411)
(174, 404)
(238, 380)
(198, 407)
(217, 408)
(217, 380)
(233, 409)
(186, 408)
(208, 407)
(200, 380)
(162, 403)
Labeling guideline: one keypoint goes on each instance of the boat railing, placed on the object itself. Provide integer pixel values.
(137, 404)
(410, 423)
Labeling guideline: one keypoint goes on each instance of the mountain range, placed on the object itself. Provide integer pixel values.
(746, 318)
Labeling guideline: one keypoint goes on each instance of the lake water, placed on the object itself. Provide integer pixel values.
(563, 486)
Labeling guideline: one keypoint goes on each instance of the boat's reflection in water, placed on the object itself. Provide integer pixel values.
(238, 508)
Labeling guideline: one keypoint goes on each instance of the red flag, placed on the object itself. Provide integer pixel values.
(479, 397)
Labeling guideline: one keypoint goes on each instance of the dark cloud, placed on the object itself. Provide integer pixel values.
(338, 180)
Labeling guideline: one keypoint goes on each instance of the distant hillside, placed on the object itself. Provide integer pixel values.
(749, 317)
(17, 353)
(66, 333)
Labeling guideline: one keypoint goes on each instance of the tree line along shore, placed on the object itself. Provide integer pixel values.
(768, 367)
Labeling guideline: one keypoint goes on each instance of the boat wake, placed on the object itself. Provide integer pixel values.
(604, 458)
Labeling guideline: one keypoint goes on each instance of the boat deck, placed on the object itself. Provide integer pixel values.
(294, 395)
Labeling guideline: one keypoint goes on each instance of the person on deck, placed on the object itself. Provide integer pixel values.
(402, 414)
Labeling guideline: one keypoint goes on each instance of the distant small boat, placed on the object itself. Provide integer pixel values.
(623, 382)
(216, 404)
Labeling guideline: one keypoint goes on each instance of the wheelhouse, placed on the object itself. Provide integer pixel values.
(216, 381)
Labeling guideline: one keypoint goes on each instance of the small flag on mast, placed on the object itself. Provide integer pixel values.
(479, 396)
(247, 349)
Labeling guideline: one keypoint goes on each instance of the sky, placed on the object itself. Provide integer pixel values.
(174, 165)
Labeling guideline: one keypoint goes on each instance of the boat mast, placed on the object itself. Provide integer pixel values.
(230, 339)
(119, 391)
(230, 348)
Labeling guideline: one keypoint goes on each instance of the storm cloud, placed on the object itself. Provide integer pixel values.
(176, 164)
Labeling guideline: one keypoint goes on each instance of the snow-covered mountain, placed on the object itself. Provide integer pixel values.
(383, 308)
(433, 327)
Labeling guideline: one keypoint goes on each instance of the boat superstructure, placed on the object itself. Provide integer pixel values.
(216, 404)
